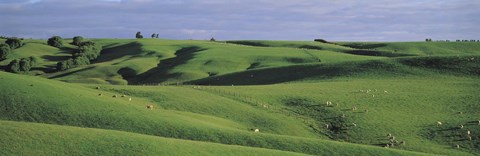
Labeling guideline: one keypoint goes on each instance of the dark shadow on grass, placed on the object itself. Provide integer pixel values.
(116, 52)
(161, 73)
(69, 73)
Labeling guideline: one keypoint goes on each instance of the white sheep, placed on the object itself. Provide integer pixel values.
(478, 122)
(354, 108)
(439, 123)
(354, 125)
(470, 138)
(256, 130)
(457, 146)
(129, 99)
(389, 135)
(461, 126)
(385, 91)
(150, 107)
(326, 125)
(97, 87)
(468, 133)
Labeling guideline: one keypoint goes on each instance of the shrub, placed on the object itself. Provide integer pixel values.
(14, 43)
(55, 41)
(4, 51)
(14, 66)
(138, 35)
(77, 40)
(22, 65)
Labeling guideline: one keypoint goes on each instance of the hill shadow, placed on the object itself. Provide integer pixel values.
(364, 45)
(160, 73)
(116, 52)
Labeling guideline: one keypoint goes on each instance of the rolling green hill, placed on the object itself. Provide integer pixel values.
(215, 94)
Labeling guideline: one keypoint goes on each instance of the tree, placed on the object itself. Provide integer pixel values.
(62, 65)
(25, 65)
(212, 39)
(55, 41)
(4, 51)
(156, 36)
(14, 43)
(138, 35)
(14, 66)
(153, 35)
(77, 40)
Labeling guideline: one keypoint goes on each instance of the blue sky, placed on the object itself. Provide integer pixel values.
(337, 20)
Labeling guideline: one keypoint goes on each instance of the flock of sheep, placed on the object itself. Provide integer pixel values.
(149, 107)
(468, 133)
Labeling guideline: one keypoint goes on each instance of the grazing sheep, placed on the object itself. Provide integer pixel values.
(385, 91)
(478, 122)
(123, 96)
(354, 125)
(100, 94)
(402, 142)
(457, 146)
(257, 130)
(439, 123)
(392, 137)
(386, 146)
(97, 87)
(470, 138)
(129, 99)
(150, 107)
(468, 133)
(329, 103)
(361, 90)
(461, 126)
(373, 95)
(389, 135)
(326, 125)
(265, 106)
(366, 110)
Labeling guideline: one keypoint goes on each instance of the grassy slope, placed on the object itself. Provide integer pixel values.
(20, 138)
(421, 48)
(51, 102)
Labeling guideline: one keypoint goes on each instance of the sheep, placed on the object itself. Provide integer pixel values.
(470, 138)
(461, 126)
(329, 103)
(354, 125)
(389, 135)
(386, 146)
(457, 146)
(478, 122)
(129, 99)
(373, 95)
(439, 123)
(366, 110)
(468, 133)
(150, 107)
(123, 95)
(392, 137)
(354, 108)
(343, 116)
(386, 92)
(402, 142)
(326, 125)
(256, 130)
(265, 106)
(98, 87)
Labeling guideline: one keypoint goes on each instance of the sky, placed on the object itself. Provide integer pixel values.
(333, 20)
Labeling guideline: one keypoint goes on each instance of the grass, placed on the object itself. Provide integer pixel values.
(279, 87)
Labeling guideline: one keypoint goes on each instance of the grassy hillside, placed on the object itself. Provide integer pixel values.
(278, 87)
(21, 138)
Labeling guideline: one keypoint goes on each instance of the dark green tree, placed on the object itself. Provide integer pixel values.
(62, 65)
(156, 36)
(25, 65)
(153, 35)
(4, 51)
(14, 66)
(212, 39)
(77, 40)
(55, 41)
(14, 43)
(138, 35)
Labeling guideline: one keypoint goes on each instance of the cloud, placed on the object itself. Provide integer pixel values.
(243, 19)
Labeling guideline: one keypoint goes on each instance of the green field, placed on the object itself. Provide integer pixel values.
(209, 97)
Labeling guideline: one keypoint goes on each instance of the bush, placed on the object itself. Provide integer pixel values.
(138, 35)
(86, 52)
(55, 41)
(77, 40)
(4, 51)
(22, 65)
(14, 43)
(14, 66)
